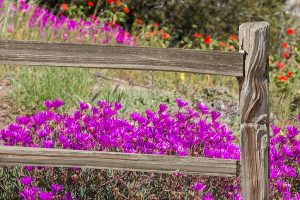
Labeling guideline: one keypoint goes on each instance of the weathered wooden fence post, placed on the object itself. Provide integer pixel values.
(254, 111)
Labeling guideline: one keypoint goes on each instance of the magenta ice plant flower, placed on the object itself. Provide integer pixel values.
(27, 180)
(199, 186)
(46, 195)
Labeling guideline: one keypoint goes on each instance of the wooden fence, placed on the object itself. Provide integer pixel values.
(250, 66)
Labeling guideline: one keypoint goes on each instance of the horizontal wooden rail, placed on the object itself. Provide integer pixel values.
(120, 57)
(23, 156)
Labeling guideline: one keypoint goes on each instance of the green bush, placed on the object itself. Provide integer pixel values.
(219, 17)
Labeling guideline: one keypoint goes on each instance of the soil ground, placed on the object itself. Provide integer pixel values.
(6, 102)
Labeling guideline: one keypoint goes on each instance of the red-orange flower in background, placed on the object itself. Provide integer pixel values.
(290, 74)
(284, 45)
(126, 10)
(148, 35)
(198, 35)
(283, 78)
(139, 21)
(222, 44)
(156, 24)
(233, 37)
(286, 55)
(64, 7)
(207, 40)
(165, 36)
(110, 1)
(91, 3)
(290, 31)
(280, 65)
(92, 17)
(118, 2)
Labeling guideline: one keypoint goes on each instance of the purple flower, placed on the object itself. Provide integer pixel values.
(29, 168)
(48, 144)
(44, 132)
(275, 129)
(199, 187)
(208, 196)
(24, 7)
(1, 3)
(26, 181)
(46, 195)
(215, 115)
(162, 108)
(56, 103)
(203, 108)
(56, 187)
(138, 117)
(23, 120)
(292, 131)
(48, 104)
(84, 105)
(68, 196)
(181, 103)
(29, 193)
(118, 106)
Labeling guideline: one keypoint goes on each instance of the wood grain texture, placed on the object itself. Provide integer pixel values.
(254, 111)
(120, 57)
(22, 156)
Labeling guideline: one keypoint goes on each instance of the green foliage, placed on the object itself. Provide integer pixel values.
(205, 16)
(34, 85)
(285, 75)
(9, 182)
(185, 17)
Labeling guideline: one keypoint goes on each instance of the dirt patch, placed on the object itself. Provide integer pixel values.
(6, 102)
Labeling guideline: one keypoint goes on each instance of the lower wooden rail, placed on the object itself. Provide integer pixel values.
(24, 156)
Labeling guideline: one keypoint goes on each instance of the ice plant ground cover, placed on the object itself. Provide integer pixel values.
(189, 131)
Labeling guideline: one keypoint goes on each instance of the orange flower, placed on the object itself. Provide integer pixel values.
(139, 21)
(289, 74)
(148, 35)
(111, 23)
(290, 31)
(207, 40)
(126, 10)
(280, 65)
(286, 55)
(198, 35)
(91, 3)
(283, 78)
(64, 7)
(110, 1)
(284, 45)
(222, 44)
(118, 2)
(165, 36)
(233, 37)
